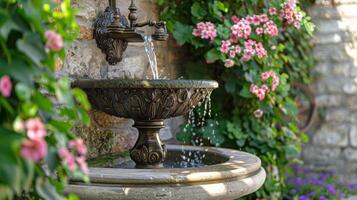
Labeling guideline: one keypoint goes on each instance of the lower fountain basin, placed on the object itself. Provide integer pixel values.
(223, 174)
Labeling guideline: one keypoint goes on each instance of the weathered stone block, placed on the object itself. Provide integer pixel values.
(334, 26)
(350, 154)
(329, 100)
(336, 12)
(319, 153)
(353, 135)
(84, 60)
(334, 135)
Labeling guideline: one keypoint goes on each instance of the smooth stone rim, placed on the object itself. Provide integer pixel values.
(225, 190)
(132, 83)
(240, 165)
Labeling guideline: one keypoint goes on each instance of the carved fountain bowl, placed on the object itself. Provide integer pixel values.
(146, 100)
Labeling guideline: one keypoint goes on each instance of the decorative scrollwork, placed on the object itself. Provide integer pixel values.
(112, 48)
(145, 156)
(146, 104)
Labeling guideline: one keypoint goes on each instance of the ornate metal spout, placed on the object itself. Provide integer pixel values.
(113, 31)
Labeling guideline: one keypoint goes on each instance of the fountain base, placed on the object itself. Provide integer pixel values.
(223, 174)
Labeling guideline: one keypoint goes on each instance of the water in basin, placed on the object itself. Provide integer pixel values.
(175, 159)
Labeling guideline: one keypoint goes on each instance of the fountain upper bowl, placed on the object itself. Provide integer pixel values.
(146, 100)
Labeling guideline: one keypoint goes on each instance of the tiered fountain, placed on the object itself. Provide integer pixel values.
(155, 170)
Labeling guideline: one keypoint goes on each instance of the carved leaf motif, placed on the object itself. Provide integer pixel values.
(112, 48)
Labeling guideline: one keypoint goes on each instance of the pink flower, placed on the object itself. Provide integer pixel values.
(79, 146)
(235, 19)
(259, 31)
(225, 46)
(258, 113)
(249, 50)
(34, 149)
(291, 3)
(5, 86)
(265, 75)
(263, 18)
(241, 29)
(228, 63)
(261, 52)
(205, 30)
(265, 88)
(232, 53)
(35, 129)
(238, 49)
(275, 84)
(253, 88)
(81, 161)
(256, 20)
(54, 41)
(272, 11)
(67, 158)
(270, 28)
(260, 94)
(290, 14)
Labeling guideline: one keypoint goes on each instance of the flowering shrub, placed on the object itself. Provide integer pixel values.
(305, 185)
(255, 49)
(37, 111)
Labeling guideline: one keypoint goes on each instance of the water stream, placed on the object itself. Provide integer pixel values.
(187, 158)
(150, 52)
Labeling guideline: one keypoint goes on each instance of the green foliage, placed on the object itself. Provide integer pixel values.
(36, 93)
(274, 137)
(305, 184)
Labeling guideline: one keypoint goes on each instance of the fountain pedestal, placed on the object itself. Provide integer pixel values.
(149, 151)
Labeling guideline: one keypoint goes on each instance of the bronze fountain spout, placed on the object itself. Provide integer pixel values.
(113, 31)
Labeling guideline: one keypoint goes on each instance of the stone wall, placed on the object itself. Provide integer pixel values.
(334, 141)
(85, 60)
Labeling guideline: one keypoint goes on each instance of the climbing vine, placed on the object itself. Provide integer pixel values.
(256, 49)
(38, 150)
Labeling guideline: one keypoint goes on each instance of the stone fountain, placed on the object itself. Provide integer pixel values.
(155, 170)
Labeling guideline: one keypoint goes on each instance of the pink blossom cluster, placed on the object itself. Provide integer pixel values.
(260, 92)
(54, 40)
(34, 148)
(291, 14)
(271, 29)
(241, 29)
(257, 19)
(271, 74)
(5, 86)
(252, 48)
(75, 155)
(205, 30)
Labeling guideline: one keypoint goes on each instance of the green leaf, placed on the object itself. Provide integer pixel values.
(182, 32)
(42, 102)
(222, 7)
(46, 190)
(23, 92)
(7, 27)
(81, 97)
(197, 10)
(245, 92)
(52, 158)
(18, 70)
(213, 55)
(32, 46)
